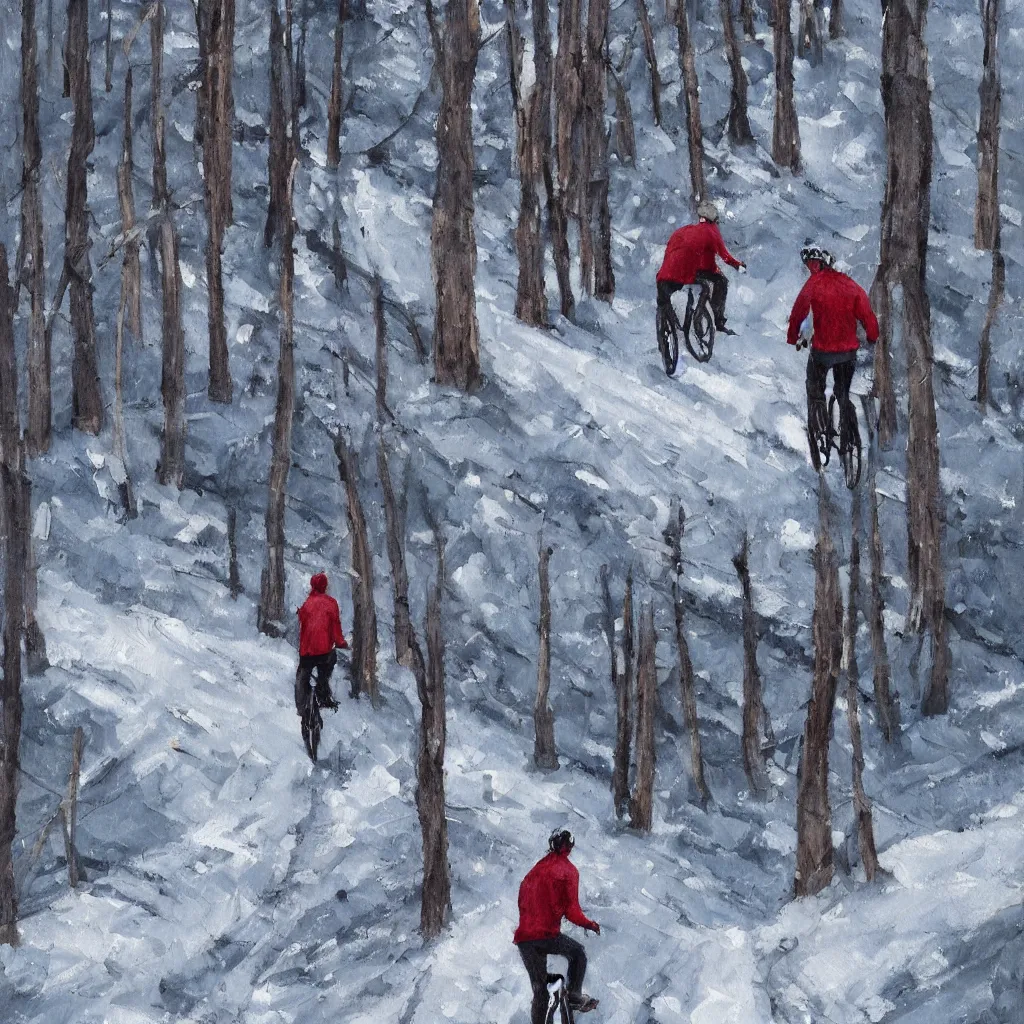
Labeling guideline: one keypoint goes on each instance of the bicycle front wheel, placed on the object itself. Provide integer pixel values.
(668, 339)
(845, 428)
(700, 338)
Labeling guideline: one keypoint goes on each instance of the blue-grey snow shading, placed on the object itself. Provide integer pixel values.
(231, 882)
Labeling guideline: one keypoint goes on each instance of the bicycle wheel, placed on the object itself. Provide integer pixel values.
(700, 338)
(668, 338)
(819, 439)
(312, 724)
(845, 427)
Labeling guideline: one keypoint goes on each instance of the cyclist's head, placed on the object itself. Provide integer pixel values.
(561, 841)
(815, 257)
(318, 583)
(708, 211)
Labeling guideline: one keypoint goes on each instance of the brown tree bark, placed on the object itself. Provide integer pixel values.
(986, 207)
(124, 480)
(809, 45)
(336, 104)
(12, 480)
(599, 278)
(755, 715)
(545, 755)
(32, 267)
(652, 58)
(835, 20)
(691, 103)
(69, 810)
(813, 810)
(131, 270)
(394, 519)
(625, 130)
(623, 699)
(452, 237)
(234, 580)
(747, 14)
(280, 142)
(687, 689)
(641, 804)
(861, 803)
(568, 143)
(108, 50)
(364, 611)
(739, 124)
(906, 211)
(995, 300)
(86, 399)
(380, 352)
(216, 103)
(300, 56)
(785, 128)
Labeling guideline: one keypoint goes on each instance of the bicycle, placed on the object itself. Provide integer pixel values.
(835, 428)
(558, 1002)
(698, 321)
(312, 725)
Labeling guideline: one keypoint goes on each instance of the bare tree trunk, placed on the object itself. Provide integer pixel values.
(986, 207)
(380, 352)
(754, 712)
(739, 123)
(300, 57)
(621, 688)
(394, 518)
(861, 803)
(886, 704)
(234, 580)
(336, 104)
(687, 688)
(364, 611)
(813, 810)
(124, 480)
(531, 301)
(216, 55)
(691, 103)
(625, 130)
(596, 181)
(785, 128)
(452, 237)
(747, 14)
(995, 300)
(544, 754)
(568, 139)
(883, 388)
(809, 39)
(12, 478)
(32, 267)
(641, 804)
(271, 610)
(171, 468)
(131, 271)
(280, 142)
(69, 809)
(906, 212)
(652, 58)
(108, 50)
(86, 400)
(835, 20)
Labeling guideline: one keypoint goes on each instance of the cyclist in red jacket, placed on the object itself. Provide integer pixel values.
(319, 634)
(836, 304)
(690, 259)
(549, 892)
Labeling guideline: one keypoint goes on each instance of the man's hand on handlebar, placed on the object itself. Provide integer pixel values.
(742, 268)
(801, 343)
(594, 927)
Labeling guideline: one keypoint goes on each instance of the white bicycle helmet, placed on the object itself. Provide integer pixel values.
(816, 252)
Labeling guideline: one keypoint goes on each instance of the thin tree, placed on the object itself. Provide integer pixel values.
(809, 37)
(31, 266)
(568, 141)
(625, 129)
(813, 810)
(217, 111)
(995, 300)
(623, 699)
(86, 400)
(755, 715)
(747, 14)
(599, 277)
(986, 206)
(906, 212)
(545, 755)
(835, 20)
(394, 520)
(739, 124)
(336, 104)
(651, 55)
(131, 269)
(641, 804)
(785, 129)
(452, 237)
(691, 104)
(280, 140)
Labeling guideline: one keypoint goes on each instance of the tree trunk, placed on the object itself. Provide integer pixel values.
(394, 519)
(12, 479)
(624, 704)
(32, 268)
(861, 803)
(785, 128)
(108, 50)
(86, 400)
(336, 104)
(234, 580)
(747, 14)
(906, 211)
(995, 299)
(813, 811)
(171, 468)
(691, 103)
(452, 237)
(69, 810)
(380, 353)
(594, 187)
(364, 611)
(124, 480)
(641, 804)
(280, 142)
(883, 389)
(835, 20)
(623, 725)
(986, 207)
(754, 712)
(300, 58)
(652, 58)
(625, 130)
(216, 55)
(687, 688)
(568, 140)
(809, 45)
(544, 754)
(739, 124)
(131, 271)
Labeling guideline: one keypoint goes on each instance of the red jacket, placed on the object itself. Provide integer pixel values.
(319, 625)
(837, 303)
(691, 249)
(549, 892)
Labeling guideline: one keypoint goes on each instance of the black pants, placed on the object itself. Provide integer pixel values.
(535, 958)
(842, 365)
(323, 665)
(719, 291)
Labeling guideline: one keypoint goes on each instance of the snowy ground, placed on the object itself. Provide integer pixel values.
(230, 881)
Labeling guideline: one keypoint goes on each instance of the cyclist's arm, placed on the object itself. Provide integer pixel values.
(721, 250)
(801, 308)
(866, 316)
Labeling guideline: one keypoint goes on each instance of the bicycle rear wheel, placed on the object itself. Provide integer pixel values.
(668, 339)
(700, 338)
(312, 725)
(845, 427)
(819, 439)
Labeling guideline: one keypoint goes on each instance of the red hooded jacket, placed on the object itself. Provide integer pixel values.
(837, 302)
(692, 249)
(319, 621)
(549, 892)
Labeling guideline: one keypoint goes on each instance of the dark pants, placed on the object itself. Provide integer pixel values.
(719, 291)
(323, 665)
(535, 958)
(842, 365)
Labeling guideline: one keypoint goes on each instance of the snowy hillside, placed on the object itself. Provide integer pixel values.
(228, 879)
